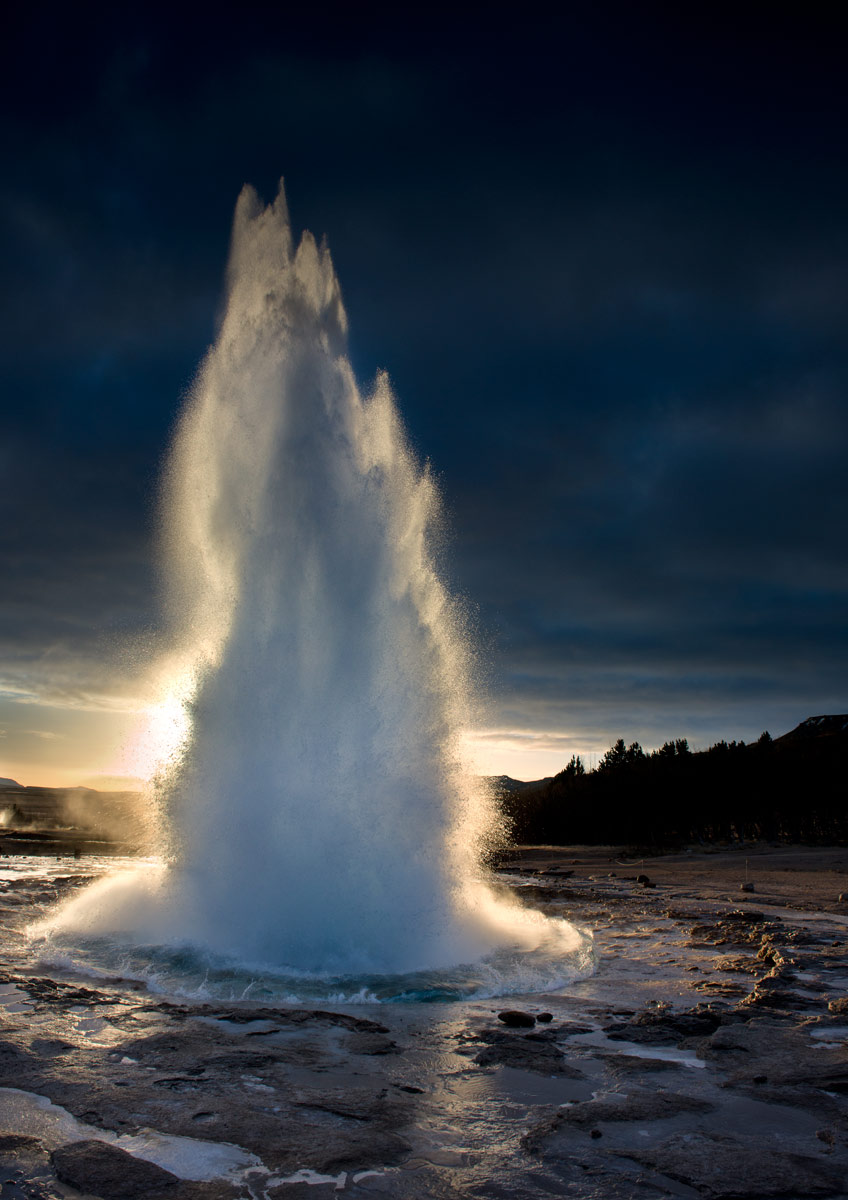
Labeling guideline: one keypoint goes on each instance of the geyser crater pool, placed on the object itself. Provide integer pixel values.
(100, 933)
(323, 830)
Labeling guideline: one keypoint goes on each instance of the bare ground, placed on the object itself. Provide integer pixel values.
(707, 1056)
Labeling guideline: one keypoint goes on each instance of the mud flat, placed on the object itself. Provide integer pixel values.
(707, 1056)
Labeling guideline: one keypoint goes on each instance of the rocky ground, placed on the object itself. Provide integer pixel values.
(707, 1057)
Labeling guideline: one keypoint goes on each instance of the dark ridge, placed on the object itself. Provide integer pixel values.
(789, 789)
(505, 783)
(832, 726)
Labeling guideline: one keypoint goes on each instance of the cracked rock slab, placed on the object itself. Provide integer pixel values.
(665, 1028)
(722, 1167)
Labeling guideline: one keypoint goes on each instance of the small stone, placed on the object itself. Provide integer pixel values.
(843, 897)
(746, 887)
(643, 879)
(544, 1017)
(595, 1133)
(516, 1019)
(759, 1079)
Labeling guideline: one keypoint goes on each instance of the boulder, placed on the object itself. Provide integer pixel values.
(103, 1170)
(516, 1019)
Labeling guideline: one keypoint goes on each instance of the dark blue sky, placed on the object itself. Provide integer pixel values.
(604, 258)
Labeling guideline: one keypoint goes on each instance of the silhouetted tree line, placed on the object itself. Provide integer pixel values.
(792, 789)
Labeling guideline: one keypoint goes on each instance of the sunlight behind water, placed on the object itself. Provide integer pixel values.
(321, 822)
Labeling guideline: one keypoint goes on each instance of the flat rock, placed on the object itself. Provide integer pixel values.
(365, 1148)
(107, 1171)
(722, 1167)
(787, 1056)
(25, 1172)
(734, 929)
(665, 1028)
(635, 1106)
(625, 1065)
(17, 1143)
(774, 994)
(47, 991)
(720, 987)
(357, 1104)
(302, 1191)
(748, 963)
(294, 1017)
(22, 1151)
(544, 1058)
(370, 1043)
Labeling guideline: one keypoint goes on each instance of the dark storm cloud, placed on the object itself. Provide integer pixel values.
(604, 261)
(78, 586)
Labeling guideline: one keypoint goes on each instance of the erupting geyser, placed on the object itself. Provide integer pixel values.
(320, 819)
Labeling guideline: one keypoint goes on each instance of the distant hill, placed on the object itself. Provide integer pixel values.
(792, 788)
(815, 727)
(505, 783)
(46, 813)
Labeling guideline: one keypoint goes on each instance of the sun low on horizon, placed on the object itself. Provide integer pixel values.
(48, 747)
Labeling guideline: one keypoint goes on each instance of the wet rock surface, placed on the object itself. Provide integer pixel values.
(724, 1167)
(636, 1105)
(707, 1057)
(666, 1027)
(527, 1054)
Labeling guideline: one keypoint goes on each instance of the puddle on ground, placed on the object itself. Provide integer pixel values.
(833, 1033)
(14, 999)
(510, 1084)
(685, 1058)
